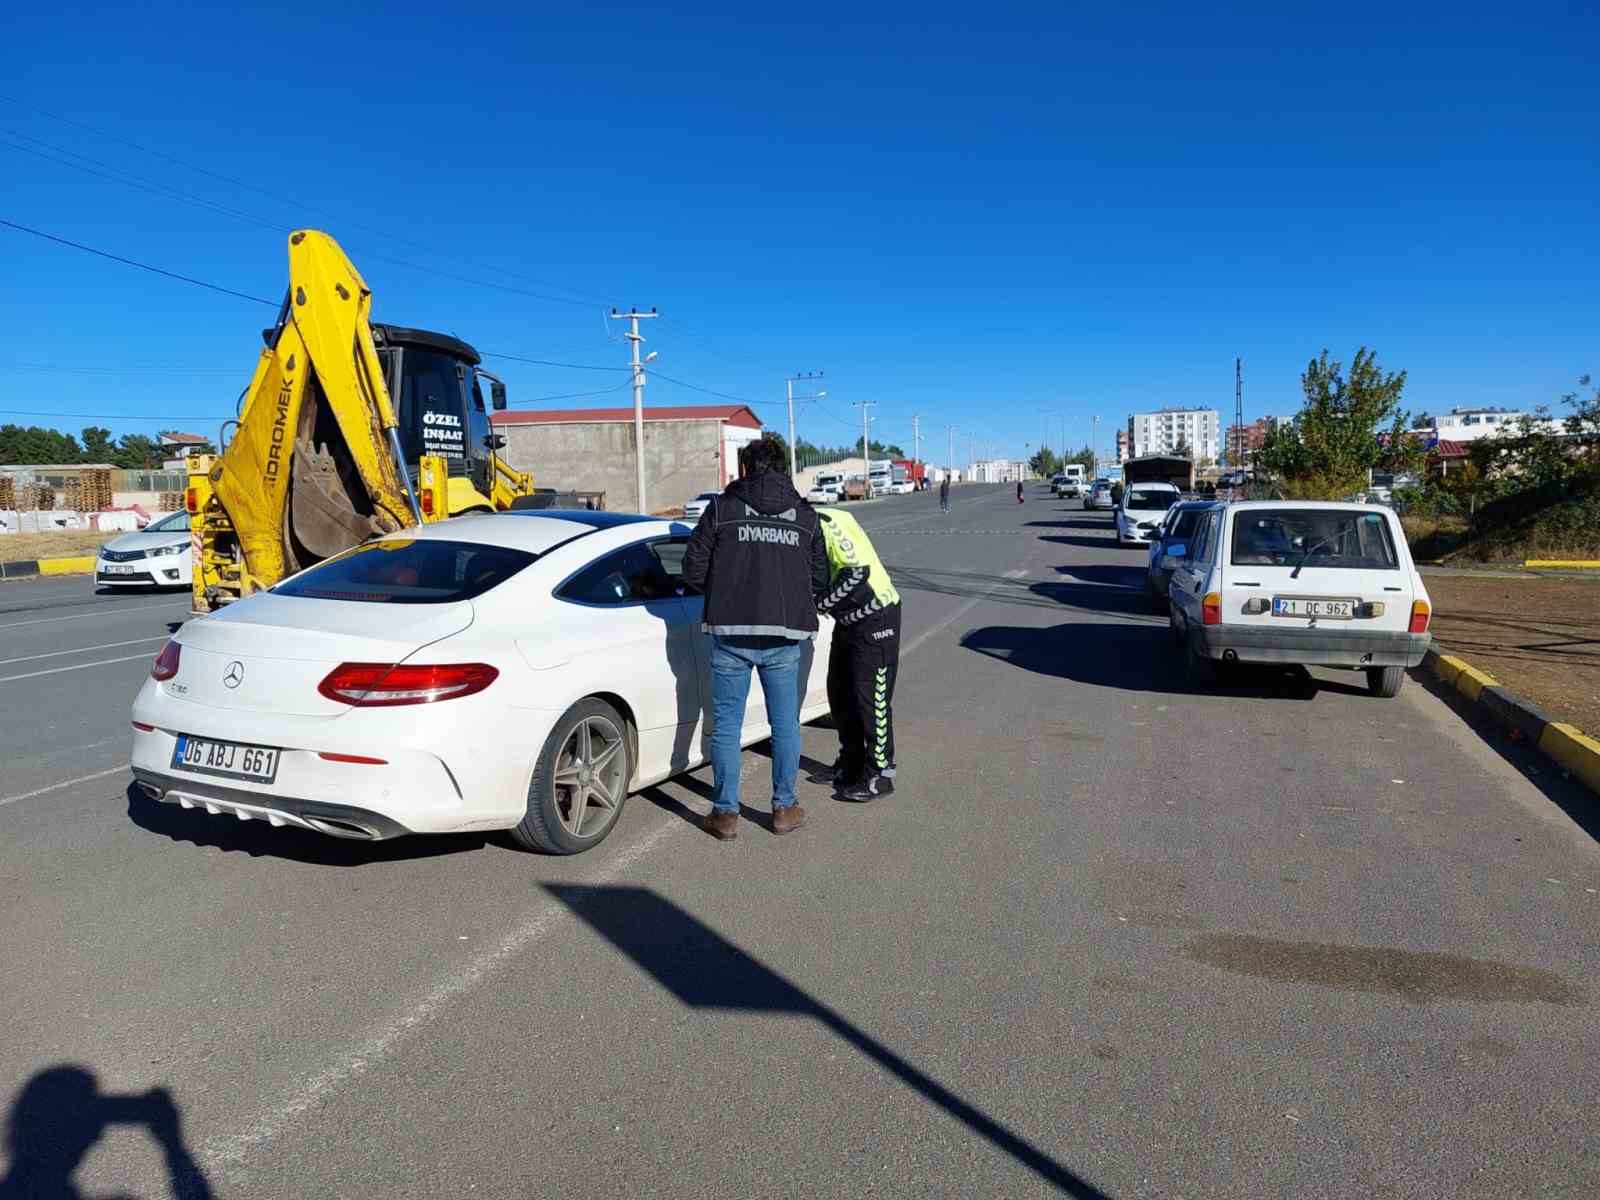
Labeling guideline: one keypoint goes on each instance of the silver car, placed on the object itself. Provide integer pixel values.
(696, 508)
(158, 555)
(1100, 496)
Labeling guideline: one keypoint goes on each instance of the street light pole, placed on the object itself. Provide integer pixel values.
(634, 317)
(789, 388)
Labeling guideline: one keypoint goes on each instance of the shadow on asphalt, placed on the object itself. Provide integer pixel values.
(707, 972)
(260, 840)
(670, 804)
(1566, 793)
(1136, 658)
(1080, 523)
(61, 1113)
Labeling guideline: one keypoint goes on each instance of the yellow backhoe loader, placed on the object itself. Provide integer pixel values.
(349, 429)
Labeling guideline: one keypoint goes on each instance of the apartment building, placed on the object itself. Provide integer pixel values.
(1164, 431)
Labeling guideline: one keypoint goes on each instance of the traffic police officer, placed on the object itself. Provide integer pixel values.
(865, 658)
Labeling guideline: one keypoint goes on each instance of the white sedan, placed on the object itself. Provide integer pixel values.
(522, 671)
(158, 554)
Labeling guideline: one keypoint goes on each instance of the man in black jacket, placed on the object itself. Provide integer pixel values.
(758, 556)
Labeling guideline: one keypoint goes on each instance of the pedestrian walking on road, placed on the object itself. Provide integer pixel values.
(864, 660)
(757, 554)
(1019, 491)
(944, 494)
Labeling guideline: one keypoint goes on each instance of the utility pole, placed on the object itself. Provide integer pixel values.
(634, 340)
(1094, 445)
(916, 440)
(866, 445)
(1238, 411)
(789, 385)
(950, 452)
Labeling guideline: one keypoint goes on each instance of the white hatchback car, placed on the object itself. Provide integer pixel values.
(521, 671)
(1289, 581)
(1142, 510)
(158, 555)
(696, 508)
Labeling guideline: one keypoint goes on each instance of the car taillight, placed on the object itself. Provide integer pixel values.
(166, 664)
(1419, 616)
(384, 685)
(427, 502)
(191, 500)
(1211, 608)
(142, 727)
(361, 759)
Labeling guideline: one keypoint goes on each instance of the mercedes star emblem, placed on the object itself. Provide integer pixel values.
(233, 674)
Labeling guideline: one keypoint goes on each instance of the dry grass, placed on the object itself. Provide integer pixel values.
(63, 544)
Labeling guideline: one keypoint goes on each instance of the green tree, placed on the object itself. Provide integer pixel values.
(1045, 462)
(33, 445)
(1183, 449)
(97, 445)
(1351, 423)
(137, 452)
(1084, 457)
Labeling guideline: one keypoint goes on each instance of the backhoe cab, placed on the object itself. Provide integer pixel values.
(348, 430)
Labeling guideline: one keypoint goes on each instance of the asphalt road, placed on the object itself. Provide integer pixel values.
(1111, 937)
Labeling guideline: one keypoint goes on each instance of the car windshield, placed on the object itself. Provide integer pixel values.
(408, 571)
(177, 522)
(1153, 499)
(1283, 537)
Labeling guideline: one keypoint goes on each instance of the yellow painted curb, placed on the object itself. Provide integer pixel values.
(1470, 681)
(1448, 668)
(1574, 750)
(1568, 563)
(83, 565)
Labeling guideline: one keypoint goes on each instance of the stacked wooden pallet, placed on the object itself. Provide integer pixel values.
(8, 492)
(36, 496)
(95, 490)
(171, 501)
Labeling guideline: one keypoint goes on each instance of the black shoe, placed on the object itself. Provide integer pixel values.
(872, 787)
(839, 774)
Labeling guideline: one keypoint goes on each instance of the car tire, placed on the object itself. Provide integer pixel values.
(1158, 602)
(558, 779)
(1385, 682)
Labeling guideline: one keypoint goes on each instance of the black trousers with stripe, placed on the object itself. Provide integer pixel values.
(861, 672)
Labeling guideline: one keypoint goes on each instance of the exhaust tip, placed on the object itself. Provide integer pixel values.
(1230, 656)
(344, 829)
(152, 791)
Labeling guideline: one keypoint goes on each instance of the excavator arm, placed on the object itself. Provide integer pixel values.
(315, 465)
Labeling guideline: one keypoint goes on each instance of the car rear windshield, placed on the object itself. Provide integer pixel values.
(1154, 499)
(1287, 537)
(408, 571)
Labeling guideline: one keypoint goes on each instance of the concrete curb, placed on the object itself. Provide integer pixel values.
(28, 568)
(1568, 745)
(1564, 564)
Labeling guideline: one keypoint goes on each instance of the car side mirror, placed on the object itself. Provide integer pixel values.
(497, 395)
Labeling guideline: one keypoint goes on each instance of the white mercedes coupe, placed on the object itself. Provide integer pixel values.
(522, 671)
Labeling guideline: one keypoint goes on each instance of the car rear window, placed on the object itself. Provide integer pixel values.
(1284, 537)
(1154, 499)
(408, 571)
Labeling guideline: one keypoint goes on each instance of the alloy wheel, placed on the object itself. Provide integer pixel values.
(589, 781)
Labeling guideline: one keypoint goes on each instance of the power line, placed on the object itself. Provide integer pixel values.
(695, 387)
(545, 362)
(128, 262)
(26, 412)
(140, 370)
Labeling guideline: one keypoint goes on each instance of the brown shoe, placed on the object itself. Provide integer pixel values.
(788, 818)
(724, 826)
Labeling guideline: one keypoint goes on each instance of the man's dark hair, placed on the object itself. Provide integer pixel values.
(764, 454)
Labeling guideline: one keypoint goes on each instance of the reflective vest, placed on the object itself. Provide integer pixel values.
(848, 546)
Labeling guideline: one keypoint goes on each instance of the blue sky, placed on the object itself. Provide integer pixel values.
(971, 213)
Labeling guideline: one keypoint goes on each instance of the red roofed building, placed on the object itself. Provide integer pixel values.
(688, 449)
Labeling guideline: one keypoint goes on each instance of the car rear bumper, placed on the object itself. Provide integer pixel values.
(218, 799)
(1311, 647)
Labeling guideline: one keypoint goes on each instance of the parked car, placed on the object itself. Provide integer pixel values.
(1099, 495)
(158, 555)
(696, 508)
(1141, 509)
(1312, 583)
(826, 489)
(1176, 530)
(519, 671)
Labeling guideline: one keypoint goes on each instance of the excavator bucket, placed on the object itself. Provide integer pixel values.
(310, 471)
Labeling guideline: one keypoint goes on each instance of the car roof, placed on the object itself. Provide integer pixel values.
(1330, 505)
(1155, 483)
(534, 530)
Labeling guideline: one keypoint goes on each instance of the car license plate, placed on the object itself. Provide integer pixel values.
(1334, 610)
(115, 569)
(234, 760)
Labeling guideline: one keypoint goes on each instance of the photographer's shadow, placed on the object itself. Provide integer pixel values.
(60, 1114)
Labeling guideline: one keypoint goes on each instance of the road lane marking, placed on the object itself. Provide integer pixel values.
(4, 662)
(84, 616)
(960, 612)
(103, 662)
(374, 1050)
(65, 783)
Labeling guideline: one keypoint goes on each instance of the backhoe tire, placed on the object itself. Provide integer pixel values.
(1385, 682)
(565, 815)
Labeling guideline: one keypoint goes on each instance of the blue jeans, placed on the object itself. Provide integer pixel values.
(778, 663)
